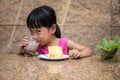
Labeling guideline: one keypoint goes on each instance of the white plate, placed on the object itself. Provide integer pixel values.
(46, 57)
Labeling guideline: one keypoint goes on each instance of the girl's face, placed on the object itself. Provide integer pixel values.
(42, 35)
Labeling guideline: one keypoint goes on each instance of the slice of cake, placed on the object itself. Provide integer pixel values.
(55, 52)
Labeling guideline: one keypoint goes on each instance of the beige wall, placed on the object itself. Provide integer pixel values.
(83, 21)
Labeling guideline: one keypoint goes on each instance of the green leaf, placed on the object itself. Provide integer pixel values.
(105, 43)
(119, 46)
(113, 45)
(109, 45)
(101, 47)
(116, 40)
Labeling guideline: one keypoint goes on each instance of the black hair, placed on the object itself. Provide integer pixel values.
(43, 16)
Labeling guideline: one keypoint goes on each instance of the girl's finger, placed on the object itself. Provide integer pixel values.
(25, 38)
(78, 55)
(75, 54)
(70, 53)
(24, 43)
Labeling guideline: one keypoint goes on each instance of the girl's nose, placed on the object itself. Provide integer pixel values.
(34, 37)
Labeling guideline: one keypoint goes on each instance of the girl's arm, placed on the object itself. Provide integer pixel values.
(78, 51)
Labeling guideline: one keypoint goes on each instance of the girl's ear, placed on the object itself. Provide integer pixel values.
(53, 28)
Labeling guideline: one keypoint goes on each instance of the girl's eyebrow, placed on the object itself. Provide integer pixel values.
(38, 30)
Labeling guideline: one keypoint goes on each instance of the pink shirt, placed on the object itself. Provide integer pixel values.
(62, 42)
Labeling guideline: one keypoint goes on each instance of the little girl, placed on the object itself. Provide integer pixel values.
(44, 29)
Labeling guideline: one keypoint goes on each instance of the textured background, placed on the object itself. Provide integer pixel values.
(83, 21)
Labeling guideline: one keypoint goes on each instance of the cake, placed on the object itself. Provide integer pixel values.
(55, 52)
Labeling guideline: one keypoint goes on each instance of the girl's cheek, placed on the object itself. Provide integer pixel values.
(40, 38)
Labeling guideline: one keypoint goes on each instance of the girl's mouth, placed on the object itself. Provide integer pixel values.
(37, 42)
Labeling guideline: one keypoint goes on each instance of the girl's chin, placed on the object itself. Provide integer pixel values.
(41, 44)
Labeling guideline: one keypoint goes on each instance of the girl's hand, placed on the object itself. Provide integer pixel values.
(74, 53)
(24, 42)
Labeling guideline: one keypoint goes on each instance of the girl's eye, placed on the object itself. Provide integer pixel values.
(38, 31)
